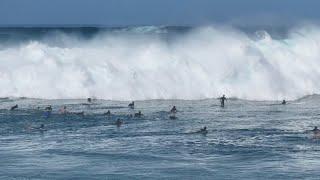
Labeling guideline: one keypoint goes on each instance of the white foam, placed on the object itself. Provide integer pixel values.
(205, 63)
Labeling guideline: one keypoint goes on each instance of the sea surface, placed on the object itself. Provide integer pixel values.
(245, 140)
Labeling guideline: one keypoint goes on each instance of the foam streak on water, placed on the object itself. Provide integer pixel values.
(153, 63)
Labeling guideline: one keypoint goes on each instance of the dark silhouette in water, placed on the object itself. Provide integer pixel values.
(14, 107)
(48, 111)
(203, 130)
(89, 100)
(139, 114)
(108, 113)
(173, 110)
(316, 130)
(41, 128)
(119, 122)
(63, 110)
(78, 113)
(222, 100)
(131, 105)
(284, 102)
(48, 108)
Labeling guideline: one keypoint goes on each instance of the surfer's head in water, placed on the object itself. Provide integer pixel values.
(284, 102)
(139, 114)
(89, 100)
(63, 110)
(315, 128)
(203, 130)
(119, 122)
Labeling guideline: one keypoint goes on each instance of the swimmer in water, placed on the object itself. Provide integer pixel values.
(174, 110)
(41, 128)
(119, 122)
(108, 113)
(284, 102)
(14, 107)
(48, 111)
(139, 114)
(131, 105)
(63, 110)
(222, 100)
(315, 130)
(203, 130)
(89, 100)
(48, 108)
(79, 113)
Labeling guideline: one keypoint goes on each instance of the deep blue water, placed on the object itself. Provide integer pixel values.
(246, 140)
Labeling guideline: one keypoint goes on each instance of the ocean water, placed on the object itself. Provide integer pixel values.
(245, 140)
(253, 137)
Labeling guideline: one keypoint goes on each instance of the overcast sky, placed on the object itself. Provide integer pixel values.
(157, 12)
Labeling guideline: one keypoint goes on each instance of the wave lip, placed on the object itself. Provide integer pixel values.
(197, 64)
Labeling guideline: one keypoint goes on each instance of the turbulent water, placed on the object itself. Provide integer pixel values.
(144, 63)
(245, 140)
(253, 137)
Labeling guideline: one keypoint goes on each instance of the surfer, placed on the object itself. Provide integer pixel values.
(48, 111)
(108, 113)
(139, 114)
(131, 105)
(48, 108)
(174, 110)
(284, 102)
(203, 130)
(222, 99)
(41, 128)
(315, 130)
(79, 113)
(119, 122)
(14, 107)
(89, 100)
(63, 110)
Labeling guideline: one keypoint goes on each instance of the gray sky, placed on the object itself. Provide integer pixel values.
(157, 12)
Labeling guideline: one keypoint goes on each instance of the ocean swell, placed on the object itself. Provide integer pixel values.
(201, 63)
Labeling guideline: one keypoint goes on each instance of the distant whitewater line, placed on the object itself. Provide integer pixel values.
(153, 63)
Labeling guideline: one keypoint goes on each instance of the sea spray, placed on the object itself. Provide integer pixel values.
(147, 63)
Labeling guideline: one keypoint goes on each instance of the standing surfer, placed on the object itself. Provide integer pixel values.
(222, 100)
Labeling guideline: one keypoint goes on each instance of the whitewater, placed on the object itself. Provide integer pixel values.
(254, 136)
(143, 63)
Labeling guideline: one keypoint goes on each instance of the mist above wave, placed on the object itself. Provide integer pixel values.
(202, 63)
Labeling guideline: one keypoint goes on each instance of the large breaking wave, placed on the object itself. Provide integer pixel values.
(141, 63)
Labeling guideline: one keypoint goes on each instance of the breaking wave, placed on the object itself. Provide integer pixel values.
(154, 64)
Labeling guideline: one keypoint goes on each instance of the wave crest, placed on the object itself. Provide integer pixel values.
(203, 63)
